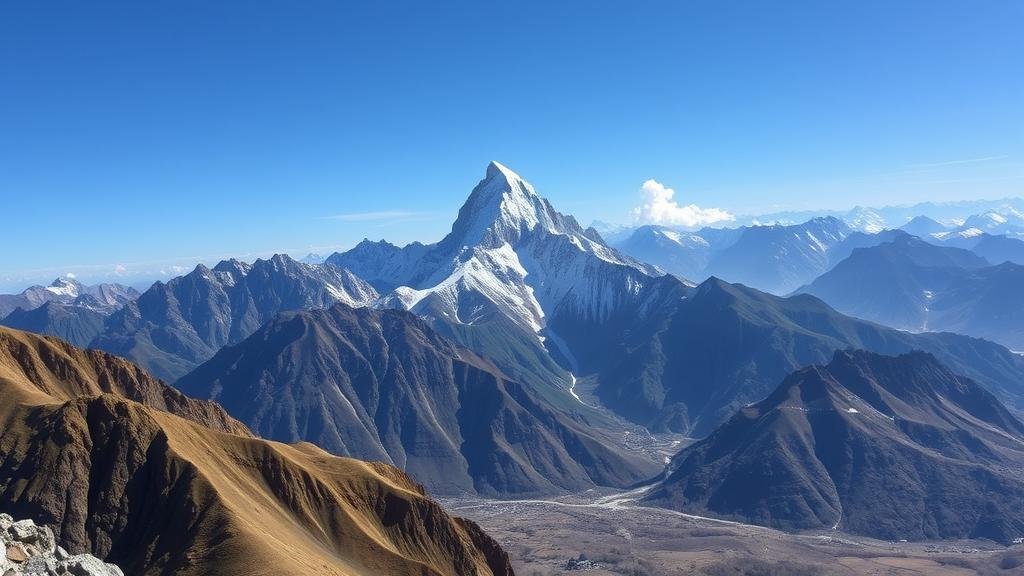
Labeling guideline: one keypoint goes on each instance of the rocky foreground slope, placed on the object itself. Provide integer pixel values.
(29, 549)
(128, 470)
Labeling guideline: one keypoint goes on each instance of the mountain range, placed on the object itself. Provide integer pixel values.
(103, 298)
(173, 327)
(382, 385)
(685, 359)
(774, 258)
(514, 358)
(653, 349)
(131, 471)
(890, 447)
(780, 258)
(875, 219)
(914, 285)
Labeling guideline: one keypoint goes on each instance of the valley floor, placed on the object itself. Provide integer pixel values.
(619, 538)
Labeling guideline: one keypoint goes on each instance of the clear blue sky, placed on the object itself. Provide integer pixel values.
(159, 132)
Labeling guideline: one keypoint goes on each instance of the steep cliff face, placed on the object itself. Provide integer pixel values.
(126, 469)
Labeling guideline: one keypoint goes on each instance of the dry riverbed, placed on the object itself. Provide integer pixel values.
(615, 537)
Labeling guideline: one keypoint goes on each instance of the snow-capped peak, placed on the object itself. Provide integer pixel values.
(502, 208)
(65, 287)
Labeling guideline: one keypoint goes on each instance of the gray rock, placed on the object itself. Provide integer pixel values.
(86, 565)
(35, 552)
(23, 531)
(40, 565)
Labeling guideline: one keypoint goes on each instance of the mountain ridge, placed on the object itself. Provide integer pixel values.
(175, 326)
(890, 447)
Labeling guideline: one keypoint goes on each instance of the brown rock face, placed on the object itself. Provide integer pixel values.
(127, 469)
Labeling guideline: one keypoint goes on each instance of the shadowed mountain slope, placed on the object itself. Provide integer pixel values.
(891, 447)
(913, 285)
(381, 384)
(686, 358)
(78, 325)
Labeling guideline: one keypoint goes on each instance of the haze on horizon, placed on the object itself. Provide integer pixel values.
(145, 138)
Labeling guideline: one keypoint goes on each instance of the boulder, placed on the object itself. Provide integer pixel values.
(28, 549)
(86, 565)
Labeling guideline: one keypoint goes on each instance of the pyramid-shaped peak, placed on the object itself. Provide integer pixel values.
(500, 209)
(502, 179)
(498, 170)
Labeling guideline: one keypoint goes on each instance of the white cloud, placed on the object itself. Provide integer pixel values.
(173, 270)
(658, 206)
(120, 270)
(70, 275)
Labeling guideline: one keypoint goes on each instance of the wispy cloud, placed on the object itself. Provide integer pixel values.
(659, 206)
(958, 162)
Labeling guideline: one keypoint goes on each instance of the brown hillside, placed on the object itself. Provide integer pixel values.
(132, 471)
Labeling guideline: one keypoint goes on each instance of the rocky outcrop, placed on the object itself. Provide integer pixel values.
(29, 549)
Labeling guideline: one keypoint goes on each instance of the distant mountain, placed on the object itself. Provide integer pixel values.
(685, 254)
(99, 297)
(510, 265)
(132, 471)
(78, 325)
(776, 258)
(312, 258)
(999, 249)
(1007, 221)
(612, 233)
(924, 226)
(867, 220)
(914, 285)
(874, 219)
(685, 359)
(382, 385)
(779, 259)
(994, 248)
(856, 240)
(994, 232)
(894, 448)
(175, 326)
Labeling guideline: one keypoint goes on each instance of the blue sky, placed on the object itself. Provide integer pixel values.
(154, 134)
